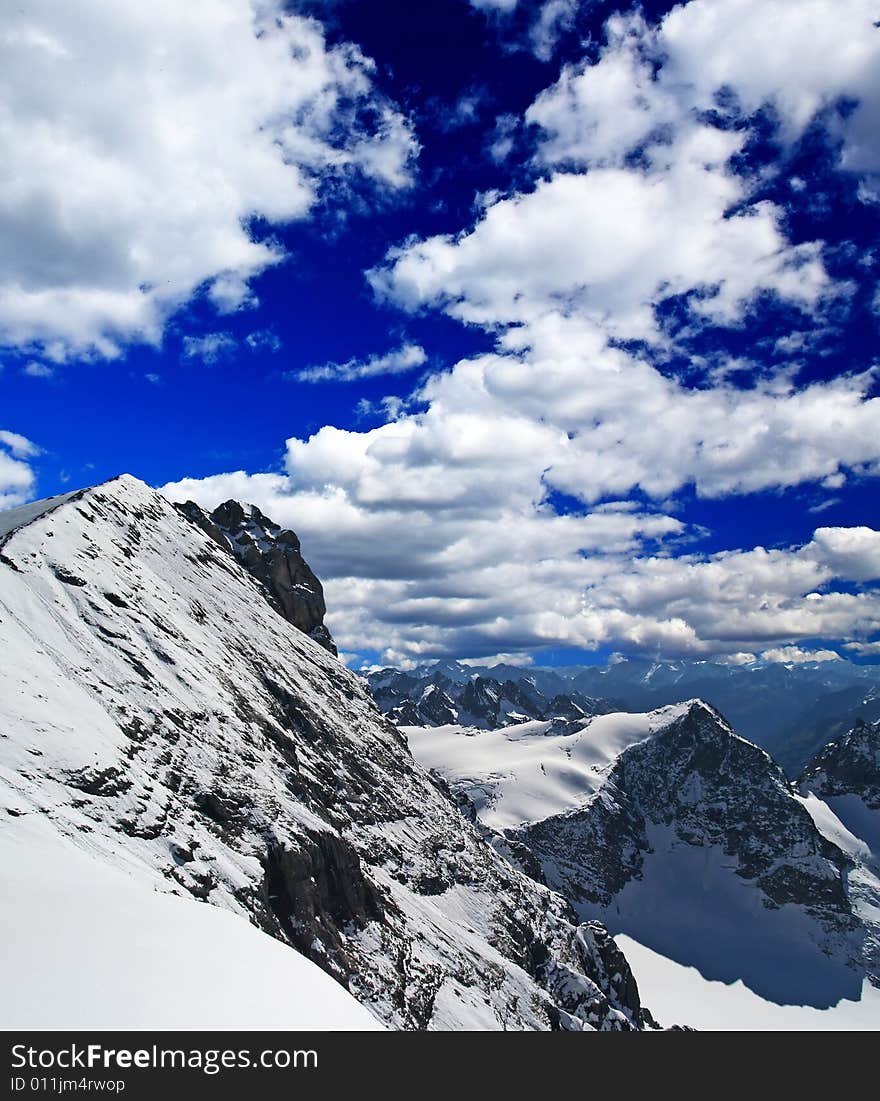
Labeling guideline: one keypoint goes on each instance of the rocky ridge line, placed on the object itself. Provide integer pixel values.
(273, 555)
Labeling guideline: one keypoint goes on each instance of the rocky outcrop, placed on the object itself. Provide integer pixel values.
(432, 708)
(271, 554)
(848, 766)
(711, 788)
(405, 714)
(480, 701)
(316, 891)
(610, 995)
(601, 957)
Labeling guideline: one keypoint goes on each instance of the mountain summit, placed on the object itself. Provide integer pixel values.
(273, 556)
(169, 716)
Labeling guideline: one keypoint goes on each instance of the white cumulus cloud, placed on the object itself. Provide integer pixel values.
(794, 655)
(494, 518)
(610, 245)
(17, 478)
(147, 137)
(457, 551)
(797, 57)
(850, 552)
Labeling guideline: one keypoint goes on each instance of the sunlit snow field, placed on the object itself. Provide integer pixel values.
(88, 947)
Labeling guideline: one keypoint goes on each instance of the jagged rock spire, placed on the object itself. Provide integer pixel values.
(272, 554)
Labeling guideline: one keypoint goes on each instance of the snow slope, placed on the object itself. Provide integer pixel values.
(158, 715)
(526, 773)
(13, 518)
(87, 947)
(681, 993)
(845, 776)
(853, 827)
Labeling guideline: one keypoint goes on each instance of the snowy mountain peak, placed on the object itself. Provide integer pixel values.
(849, 766)
(478, 699)
(273, 556)
(791, 711)
(11, 520)
(702, 726)
(677, 832)
(162, 720)
(694, 776)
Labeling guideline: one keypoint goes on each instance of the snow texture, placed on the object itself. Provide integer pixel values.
(90, 948)
(526, 773)
(14, 518)
(161, 718)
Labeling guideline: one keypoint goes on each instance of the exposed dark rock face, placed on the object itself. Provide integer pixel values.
(565, 707)
(849, 766)
(273, 556)
(712, 788)
(591, 853)
(433, 708)
(488, 700)
(318, 890)
(405, 714)
(602, 957)
(610, 995)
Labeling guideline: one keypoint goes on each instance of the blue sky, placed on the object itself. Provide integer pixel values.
(550, 327)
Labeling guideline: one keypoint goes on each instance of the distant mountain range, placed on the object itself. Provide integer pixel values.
(791, 710)
(452, 693)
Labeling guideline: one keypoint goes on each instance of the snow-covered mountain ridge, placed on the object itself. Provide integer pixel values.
(448, 694)
(849, 766)
(845, 776)
(530, 771)
(791, 710)
(161, 715)
(685, 837)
